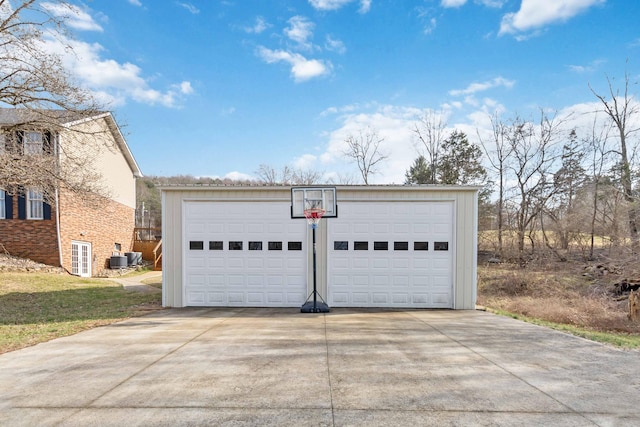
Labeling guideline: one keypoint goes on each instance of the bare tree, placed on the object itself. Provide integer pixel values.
(271, 176)
(498, 151)
(287, 176)
(40, 96)
(597, 143)
(534, 153)
(622, 109)
(430, 133)
(307, 177)
(364, 150)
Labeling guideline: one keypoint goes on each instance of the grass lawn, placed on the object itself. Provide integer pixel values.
(39, 307)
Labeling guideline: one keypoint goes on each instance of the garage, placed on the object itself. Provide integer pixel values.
(381, 246)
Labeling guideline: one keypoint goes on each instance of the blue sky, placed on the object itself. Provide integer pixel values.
(217, 88)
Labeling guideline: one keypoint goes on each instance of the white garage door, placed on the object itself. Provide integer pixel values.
(391, 254)
(246, 254)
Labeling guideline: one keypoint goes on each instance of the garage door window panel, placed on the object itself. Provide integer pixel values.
(360, 246)
(196, 245)
(440, 246)
(235, 246)
(380, 246)
(255, 246)
(400, 246)
(420, 246)
(341, 245)
(216, 245)
(275, 246)
(294, 246)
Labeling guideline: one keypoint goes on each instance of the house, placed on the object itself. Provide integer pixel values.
(377, 246)
(63, 227)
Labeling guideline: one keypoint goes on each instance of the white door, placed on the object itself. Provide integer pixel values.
(246, 254)
(81, 259)
(391, 254)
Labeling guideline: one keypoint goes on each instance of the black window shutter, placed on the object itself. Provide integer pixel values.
(20, 142)
(46, 211)
(22, 207)
(8, 202)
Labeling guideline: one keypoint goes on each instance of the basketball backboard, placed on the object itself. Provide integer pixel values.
(317, 197)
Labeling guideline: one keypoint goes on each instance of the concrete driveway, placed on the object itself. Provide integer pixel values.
(349, 367)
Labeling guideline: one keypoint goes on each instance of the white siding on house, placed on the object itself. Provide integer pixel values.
(95, 142)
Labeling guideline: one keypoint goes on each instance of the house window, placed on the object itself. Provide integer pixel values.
(35, 202)
(33, 143)
(3, 205)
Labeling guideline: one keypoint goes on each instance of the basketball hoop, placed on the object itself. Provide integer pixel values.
(314, 215)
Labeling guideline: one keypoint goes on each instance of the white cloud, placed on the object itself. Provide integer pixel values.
(73, 16)
(492, 3)
(430, 26)
(257, 28)
(300, 30)
(479, 87)
(452, 3)
(135, 2)
(365, 5)
(110, 81)
(586, 68)
(335, 45)
(535, 14)
(305, 162)
(392, 124)
(191, 8)
(185, 88)
(302, 69)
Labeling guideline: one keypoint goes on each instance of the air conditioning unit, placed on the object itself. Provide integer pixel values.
(133, 258)
(118, 261)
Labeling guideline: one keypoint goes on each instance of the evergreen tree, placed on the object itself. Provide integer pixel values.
(419, 173)
(460, 162)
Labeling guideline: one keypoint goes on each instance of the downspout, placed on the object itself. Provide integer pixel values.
(58, 230)
(57, 197)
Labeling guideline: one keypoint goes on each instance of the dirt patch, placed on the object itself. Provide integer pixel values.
(559, 293)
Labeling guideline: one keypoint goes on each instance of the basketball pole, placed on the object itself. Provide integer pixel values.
(315, 291)
(316, 307)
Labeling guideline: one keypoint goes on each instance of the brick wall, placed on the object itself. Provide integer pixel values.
(103, 223)
(30, 238)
